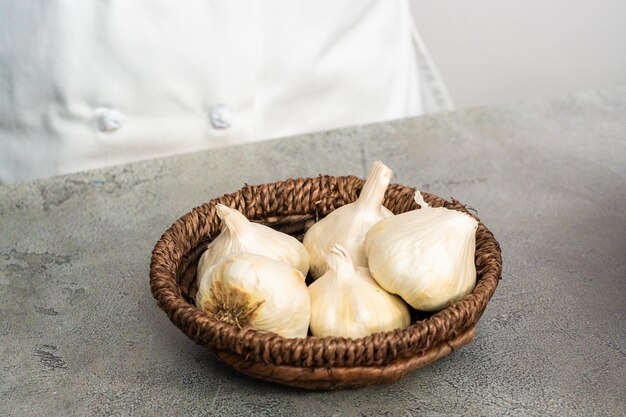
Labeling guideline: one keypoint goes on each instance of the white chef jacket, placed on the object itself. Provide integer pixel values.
(91, 83)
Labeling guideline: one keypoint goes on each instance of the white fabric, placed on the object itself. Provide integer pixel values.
(85, 84)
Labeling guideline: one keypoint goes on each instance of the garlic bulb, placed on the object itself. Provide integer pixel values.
(425, 256)
(249, 289)
(240, 235)
(348, 224)
(347, 302)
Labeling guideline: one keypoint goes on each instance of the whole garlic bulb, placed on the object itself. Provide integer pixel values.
(348, 224)
(347, 302)
(425, 256)
(249, 289)
(241, 235)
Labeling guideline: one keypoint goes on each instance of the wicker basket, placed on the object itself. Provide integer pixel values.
(311, 362)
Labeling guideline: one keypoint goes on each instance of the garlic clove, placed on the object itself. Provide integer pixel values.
(241, 235)
(347, 302)
(348, 224)
(425, 256)
(245, 289)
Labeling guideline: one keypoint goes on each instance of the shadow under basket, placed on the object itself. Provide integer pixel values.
(313, 363)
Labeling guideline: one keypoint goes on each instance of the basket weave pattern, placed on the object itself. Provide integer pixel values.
(311, 362)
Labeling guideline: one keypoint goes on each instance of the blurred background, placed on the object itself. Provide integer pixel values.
(490, 51)
(89, 84)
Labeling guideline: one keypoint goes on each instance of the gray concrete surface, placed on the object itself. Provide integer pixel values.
(82, 335)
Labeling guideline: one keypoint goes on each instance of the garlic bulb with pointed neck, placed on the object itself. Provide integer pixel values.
(241, 235)
(425, 256)
(347, 302)
(246, 289)
(348, 224)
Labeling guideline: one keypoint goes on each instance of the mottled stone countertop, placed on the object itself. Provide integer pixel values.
(82, 335)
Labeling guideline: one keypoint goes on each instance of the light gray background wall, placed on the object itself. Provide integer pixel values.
(494, 51)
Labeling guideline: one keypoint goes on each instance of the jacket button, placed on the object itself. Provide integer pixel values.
(109, 120)
(221, 117)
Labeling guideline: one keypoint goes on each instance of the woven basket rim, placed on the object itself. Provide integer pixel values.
(299, 196)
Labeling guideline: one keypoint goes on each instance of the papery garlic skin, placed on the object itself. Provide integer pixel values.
(347, 302)
(425, 256)
(249, 289)
(348, 224)
(241, 235)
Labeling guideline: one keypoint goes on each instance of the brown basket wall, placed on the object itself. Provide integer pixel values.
(313, 363)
